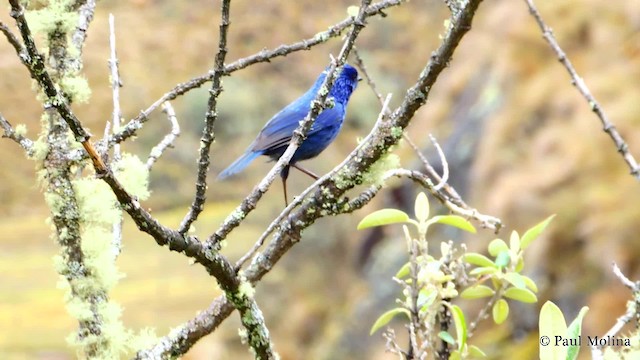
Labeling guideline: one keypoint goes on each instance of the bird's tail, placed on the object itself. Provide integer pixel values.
(239, 164)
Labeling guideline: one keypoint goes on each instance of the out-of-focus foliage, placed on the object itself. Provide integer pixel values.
(542, 151)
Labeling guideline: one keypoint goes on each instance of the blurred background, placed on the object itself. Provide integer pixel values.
(521, 142)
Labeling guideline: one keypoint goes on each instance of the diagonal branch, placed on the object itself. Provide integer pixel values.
(579, 83)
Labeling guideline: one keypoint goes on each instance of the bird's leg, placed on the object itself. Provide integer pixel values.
(284, 174)
(308, 172)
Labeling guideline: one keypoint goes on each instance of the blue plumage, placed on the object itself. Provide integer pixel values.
(275, 136)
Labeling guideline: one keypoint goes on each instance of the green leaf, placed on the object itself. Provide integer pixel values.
(552, 324)
(477, 292)
(503, 259)
(520, 264)
(477, 259)
(476, 352)
(530, 284)
(447, 337)
(383, 217)
(496, 246)
(421, 208)
(484, 270)
(534, 232)
(573, 332)
(522, 295)
(515, 279)
(404, 271)
(454, 220)
(500, 311)
(514, 242)
(388, 316)
(461, 325)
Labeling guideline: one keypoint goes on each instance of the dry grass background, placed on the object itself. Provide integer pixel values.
(542, 151)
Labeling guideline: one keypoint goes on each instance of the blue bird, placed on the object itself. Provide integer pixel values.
(275, 136)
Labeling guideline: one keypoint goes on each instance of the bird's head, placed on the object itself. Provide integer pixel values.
(345, 84)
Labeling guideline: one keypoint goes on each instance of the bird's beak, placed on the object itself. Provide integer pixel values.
(360, 79)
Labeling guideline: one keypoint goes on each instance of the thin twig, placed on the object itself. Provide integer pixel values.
(85, 9)
(372, 85)
(12, 39)
(633, 311)
(579, 83)
(10, 133)
(211, 116)
(168, 140)
(115, 117)
(263, 56)
(443, 161)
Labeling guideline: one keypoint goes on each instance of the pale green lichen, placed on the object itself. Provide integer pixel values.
(20, 130)
(54, 17)
(375, 175)
(134, 175)
(96, 202)
(77, 88)
(397, 132)
(246, 289)
(244, 336)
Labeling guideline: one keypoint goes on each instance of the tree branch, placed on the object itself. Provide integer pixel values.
(10, 133)
(579, 83)
(168, 140)
(210, 118)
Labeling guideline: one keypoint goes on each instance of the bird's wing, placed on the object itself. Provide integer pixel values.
(279, 130)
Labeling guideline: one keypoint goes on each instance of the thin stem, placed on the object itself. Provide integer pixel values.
(579, 83)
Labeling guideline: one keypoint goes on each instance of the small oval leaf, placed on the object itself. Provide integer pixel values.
(530, 284)
(503, 259)
(500, 311)
(476, 352)
(496, 246)
(404, 271)
(477, 259)
(461, 325)
(447, 337)
(515, 279)
(454, 220)
(386, 317)
(514, 242)
(534, 232)
(421, 208)
(484, 270)
(522, 295)
(477, 292)
(383, 217)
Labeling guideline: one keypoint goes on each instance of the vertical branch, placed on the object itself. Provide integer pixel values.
(115, 119)
(210, 118)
